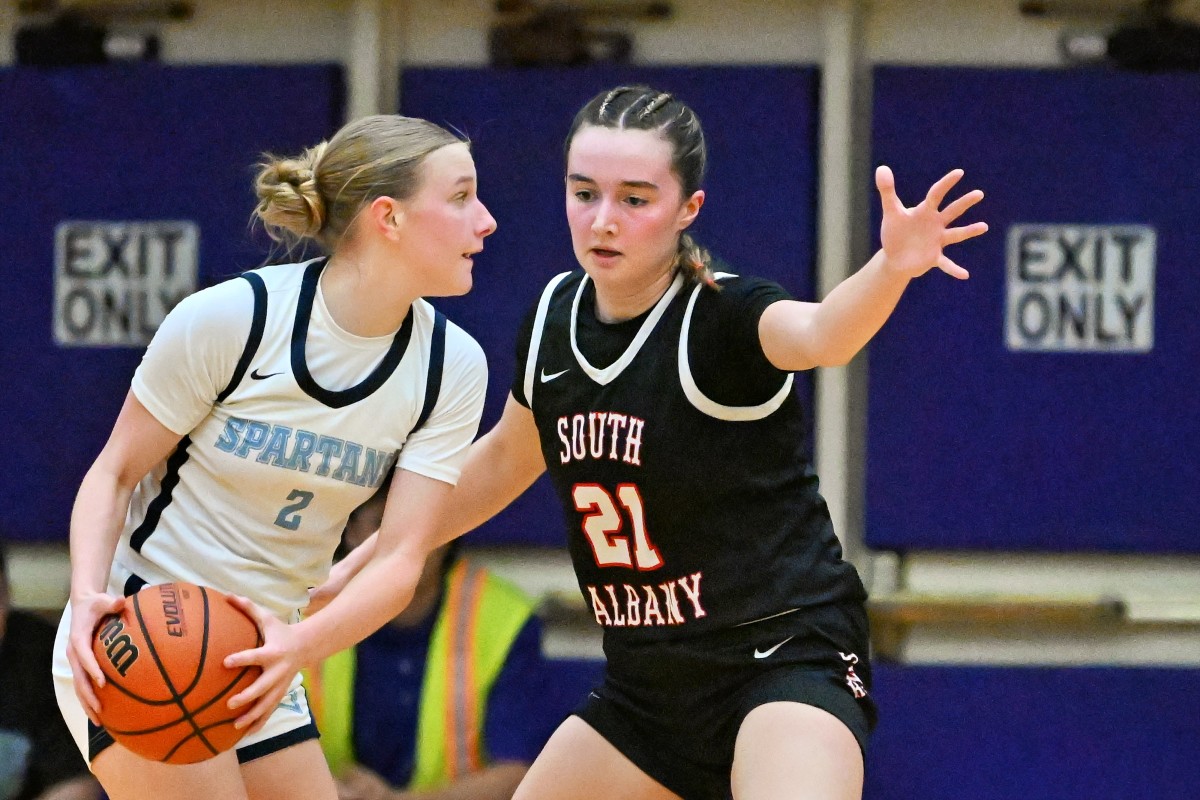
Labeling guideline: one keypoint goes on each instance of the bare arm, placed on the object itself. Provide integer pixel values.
(500, 465)
(380, 591)
(421, 514)
(138, 441)
(797, 336)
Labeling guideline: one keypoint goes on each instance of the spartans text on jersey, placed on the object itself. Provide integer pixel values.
(281, 446)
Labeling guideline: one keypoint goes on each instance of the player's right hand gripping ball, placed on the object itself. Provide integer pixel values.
(166, 684)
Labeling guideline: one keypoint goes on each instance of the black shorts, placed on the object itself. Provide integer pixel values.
(674, 708)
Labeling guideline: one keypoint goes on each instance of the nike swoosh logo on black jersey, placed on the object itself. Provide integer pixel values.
(254, 374)
(764, 653)
(547, 378)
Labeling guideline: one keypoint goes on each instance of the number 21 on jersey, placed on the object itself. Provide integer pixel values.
(604, 521)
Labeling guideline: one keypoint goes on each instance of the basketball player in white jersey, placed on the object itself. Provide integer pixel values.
(265, 410)
(658, 396)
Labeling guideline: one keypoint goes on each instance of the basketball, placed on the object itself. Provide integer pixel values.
(166, 684)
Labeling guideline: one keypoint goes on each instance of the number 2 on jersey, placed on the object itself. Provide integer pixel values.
(605, 521)
(289, 515)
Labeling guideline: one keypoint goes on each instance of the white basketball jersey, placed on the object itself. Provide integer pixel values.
(254, 498)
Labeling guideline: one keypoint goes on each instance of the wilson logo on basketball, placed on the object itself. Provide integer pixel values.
(121, 650)
(172, 610)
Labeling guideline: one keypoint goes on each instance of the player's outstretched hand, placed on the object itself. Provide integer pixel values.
(86, 613)
(280, 659)
(913, 238)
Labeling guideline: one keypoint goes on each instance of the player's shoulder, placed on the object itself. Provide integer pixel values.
(559, 288)
(737, 289)
(229, 302)
(462, 344)
(463, 352)
(278, 277)
(736, 282)
(563, 284)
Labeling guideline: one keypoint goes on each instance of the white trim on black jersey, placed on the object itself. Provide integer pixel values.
(606, 375)
(707, 405)
(535, 340)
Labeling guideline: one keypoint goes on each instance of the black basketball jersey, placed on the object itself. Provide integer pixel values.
(677, 452)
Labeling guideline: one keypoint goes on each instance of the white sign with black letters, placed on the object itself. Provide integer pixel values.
(116, 281)
(1081, 288)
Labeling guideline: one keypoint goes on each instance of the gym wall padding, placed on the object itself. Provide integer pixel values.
(120, 143)
(759, 212)
(975, 446)
(1035, 733)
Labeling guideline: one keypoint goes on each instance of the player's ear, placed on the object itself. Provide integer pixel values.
(386, 216)
(690, 209)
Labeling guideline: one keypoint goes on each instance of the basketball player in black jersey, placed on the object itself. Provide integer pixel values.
(658, 395)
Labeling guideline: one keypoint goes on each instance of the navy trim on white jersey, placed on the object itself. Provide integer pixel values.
(178, 458)
(437, 358)
(159, 504)
(304, 379)
(133, 585)
(257, 325)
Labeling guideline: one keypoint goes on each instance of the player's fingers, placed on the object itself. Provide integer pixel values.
(83, 688)
(79, 654)
(937, 192)
(953, 270)
(249, 608)
(259, 713)
(261, 686)
(959, 206)
(87, 708)
(246, 658)
(961, 234)
(885, 182)
(273, 681)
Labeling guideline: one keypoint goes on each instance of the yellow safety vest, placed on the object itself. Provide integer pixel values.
(480, 618)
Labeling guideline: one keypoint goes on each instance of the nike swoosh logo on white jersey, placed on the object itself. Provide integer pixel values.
(764, 653)
(547, 378)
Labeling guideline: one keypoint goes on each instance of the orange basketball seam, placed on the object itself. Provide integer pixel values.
(187, 715)
(196, 731)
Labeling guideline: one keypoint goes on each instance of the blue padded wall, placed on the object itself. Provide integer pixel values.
(759, 214)
(972, 445)
(140, 142)
(1001, 733)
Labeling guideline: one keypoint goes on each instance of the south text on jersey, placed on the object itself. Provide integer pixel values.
(305, 451)
(604, 435)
